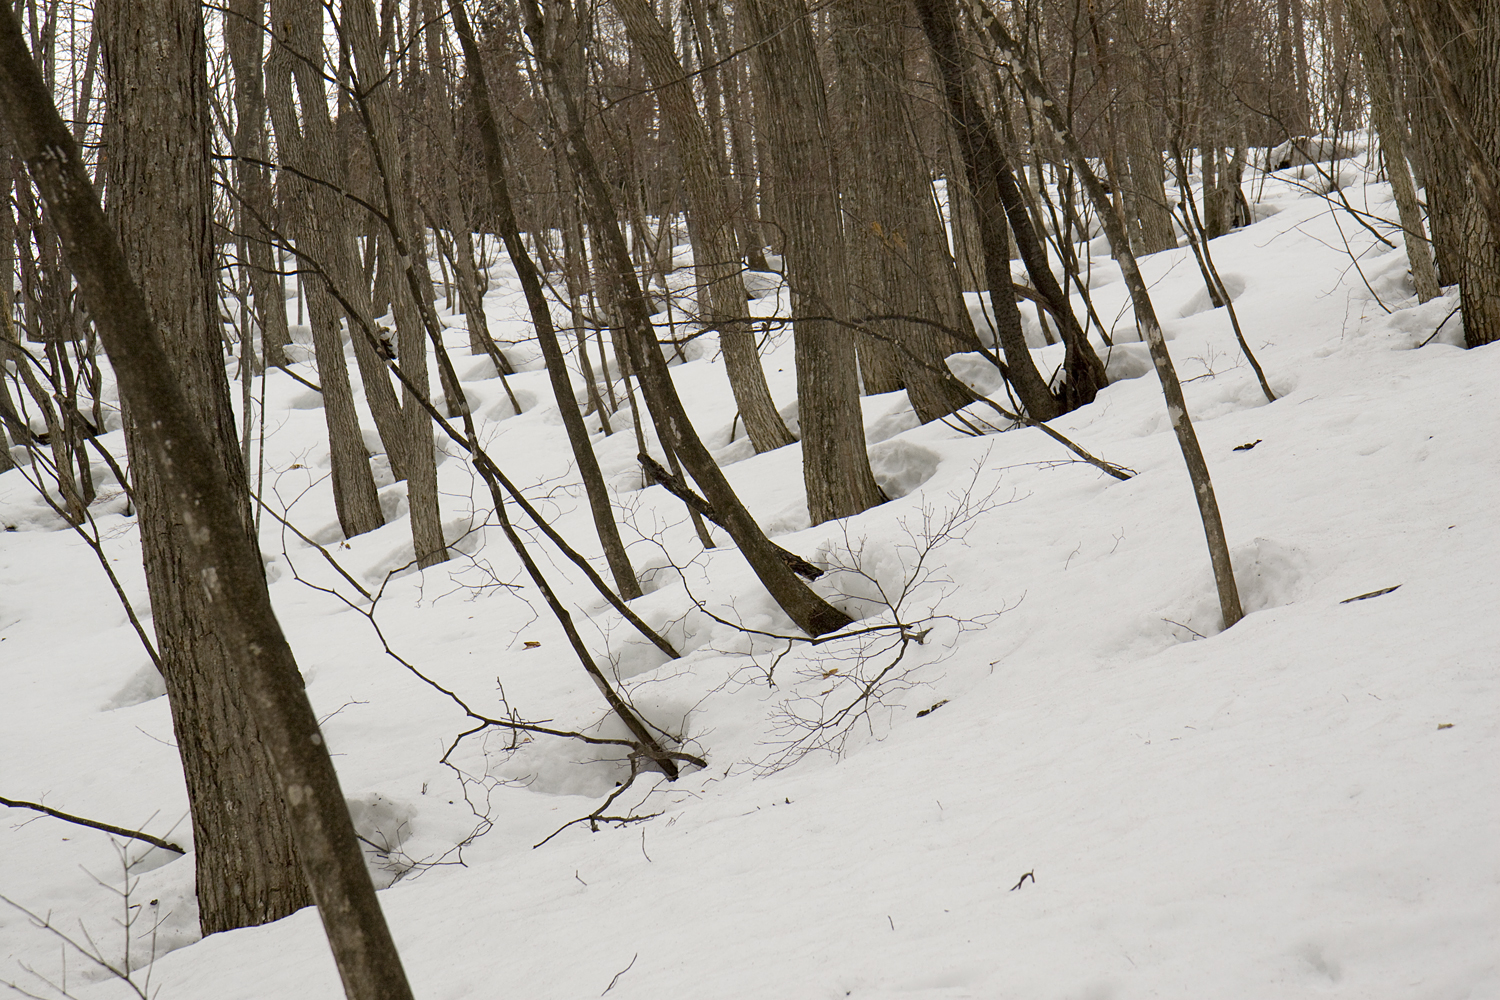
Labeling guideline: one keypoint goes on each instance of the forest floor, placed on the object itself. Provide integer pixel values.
(1005, 817)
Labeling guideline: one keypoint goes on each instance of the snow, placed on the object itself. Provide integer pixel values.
(1303, 805)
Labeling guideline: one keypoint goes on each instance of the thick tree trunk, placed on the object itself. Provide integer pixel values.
(835, 465)
(1459, 46)
(899, 262)
(715, 251)
(1480, 282)
(159, 197)
(219, 559)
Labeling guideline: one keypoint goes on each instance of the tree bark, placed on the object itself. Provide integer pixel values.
(244, 34)
(1366, 17)
(373, 89)
(158, 182)
(315, 218)
(810, 612)
(899, 262)
(1143, 150)
(1007, 52)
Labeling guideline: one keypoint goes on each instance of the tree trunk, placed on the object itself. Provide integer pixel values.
(1480, 282)
(1143, 150)
(715, 251)
(314, 214)
(900, 267)
(984, 163)
(244, 27)
(1007, 52)
(219, 559)
(811, 613)
(158, 181)
(377, 116)
(1373, 38)
(835, 465)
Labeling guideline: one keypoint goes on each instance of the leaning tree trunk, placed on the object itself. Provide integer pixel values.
(156, 132)
(626, 582)
(715, 251)
(1007, 52)
(811, 613)
(985, 167)
(835, 464)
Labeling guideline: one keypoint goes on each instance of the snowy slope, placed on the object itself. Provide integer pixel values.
(1304, 805)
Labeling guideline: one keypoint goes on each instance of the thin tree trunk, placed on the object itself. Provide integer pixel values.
(244, 27)
(375, 111)
(1007, 51)
(313, 215)
(1363, 20)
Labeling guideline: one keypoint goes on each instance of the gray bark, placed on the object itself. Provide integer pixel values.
(1007, 52)
(314, 216)
(807, 609)
(899, 262)
(1368, 20)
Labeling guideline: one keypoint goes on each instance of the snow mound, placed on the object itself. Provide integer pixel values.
(901, 466)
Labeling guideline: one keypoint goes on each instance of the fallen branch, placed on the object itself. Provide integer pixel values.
(94, 824)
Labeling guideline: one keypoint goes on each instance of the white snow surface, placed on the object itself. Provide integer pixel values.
(1304, 805)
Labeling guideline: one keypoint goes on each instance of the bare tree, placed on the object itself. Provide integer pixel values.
(217, 557)
(716, 251)
(1006, 51)
(898, 255)
(811, 613)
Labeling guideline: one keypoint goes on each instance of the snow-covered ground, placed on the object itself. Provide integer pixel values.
(1327, 826)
